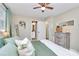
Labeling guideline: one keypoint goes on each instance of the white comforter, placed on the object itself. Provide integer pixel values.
(60, 51)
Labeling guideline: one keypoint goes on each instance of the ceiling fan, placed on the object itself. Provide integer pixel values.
(43, 6)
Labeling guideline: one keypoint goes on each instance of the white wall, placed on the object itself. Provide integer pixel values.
(51, 27)
(24, 32)
(41, 30)
(71, 15)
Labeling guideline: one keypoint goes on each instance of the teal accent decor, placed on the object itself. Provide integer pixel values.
(42, 50)
(2, 42)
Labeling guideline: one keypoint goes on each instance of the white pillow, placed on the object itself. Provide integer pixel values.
(18, 42)
(25, 47)
(25, 41)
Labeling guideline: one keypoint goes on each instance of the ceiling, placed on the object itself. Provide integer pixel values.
(26, 9)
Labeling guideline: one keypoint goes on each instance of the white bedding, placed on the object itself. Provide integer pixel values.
(28, 50)
(60, 51)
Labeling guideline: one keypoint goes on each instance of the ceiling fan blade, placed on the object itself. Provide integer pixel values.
(41, 4)
(49, 7)
(47, 3)
(36, 7)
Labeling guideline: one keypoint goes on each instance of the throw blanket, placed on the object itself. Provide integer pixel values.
(41, 49)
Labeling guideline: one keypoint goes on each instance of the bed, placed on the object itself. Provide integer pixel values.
(48, 48)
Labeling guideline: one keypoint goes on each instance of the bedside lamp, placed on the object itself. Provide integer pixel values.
(6, 34)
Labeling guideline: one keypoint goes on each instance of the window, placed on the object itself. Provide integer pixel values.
(2, 18)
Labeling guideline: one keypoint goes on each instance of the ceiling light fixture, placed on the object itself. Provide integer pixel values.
(42, 8)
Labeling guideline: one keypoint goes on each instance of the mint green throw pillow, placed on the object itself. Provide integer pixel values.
(9, 50)
(9, 40)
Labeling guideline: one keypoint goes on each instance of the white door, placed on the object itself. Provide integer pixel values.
(41, 30)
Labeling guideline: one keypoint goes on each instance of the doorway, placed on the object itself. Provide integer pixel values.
(38, 30)
(34, 30)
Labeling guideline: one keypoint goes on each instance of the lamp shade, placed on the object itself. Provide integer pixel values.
(5, 34)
